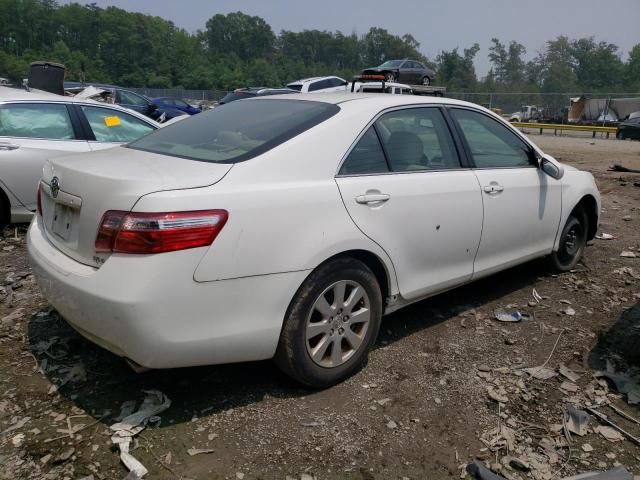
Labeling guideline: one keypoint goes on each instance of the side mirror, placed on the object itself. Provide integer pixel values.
(551, 167)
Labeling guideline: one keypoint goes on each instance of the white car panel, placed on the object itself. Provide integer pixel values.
(521, 221)
(430, 225)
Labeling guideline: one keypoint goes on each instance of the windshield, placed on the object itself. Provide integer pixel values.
(236, 131)
(295, 86)
(392, 63)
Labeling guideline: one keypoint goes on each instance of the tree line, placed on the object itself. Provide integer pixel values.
(112, 45)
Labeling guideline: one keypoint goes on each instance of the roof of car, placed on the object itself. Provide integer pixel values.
(310, 79)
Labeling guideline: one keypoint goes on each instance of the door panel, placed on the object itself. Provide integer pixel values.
(405, 189)
(429, 225)
(521, 220)
(522, 205)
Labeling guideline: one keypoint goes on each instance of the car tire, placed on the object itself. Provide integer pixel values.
(389, 77)
(321, 348)
(573, 241)
(620, 135)
(426, 81)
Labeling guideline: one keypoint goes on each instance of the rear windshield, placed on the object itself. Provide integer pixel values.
(236, 131)
(293, 86)
(232, 96)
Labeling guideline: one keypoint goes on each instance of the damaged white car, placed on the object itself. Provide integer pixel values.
(285, 227)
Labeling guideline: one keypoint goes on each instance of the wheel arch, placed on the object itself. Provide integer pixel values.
(5, 208)
(589, 206)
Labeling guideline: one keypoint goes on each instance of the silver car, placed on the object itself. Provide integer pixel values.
(38, 126)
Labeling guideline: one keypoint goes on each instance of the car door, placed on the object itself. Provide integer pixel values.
(405, 188)
(108, 127)
(522, 205)
(31, 133)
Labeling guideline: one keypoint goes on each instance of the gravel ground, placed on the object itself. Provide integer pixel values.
(420, 409)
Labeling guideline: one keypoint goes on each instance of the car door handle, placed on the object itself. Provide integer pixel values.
(373, 198)
(493, 188)
(8, 146)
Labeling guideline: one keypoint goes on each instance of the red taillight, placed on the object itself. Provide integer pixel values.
(39, 200)
(144, 233)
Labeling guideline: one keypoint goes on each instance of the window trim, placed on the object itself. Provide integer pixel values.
(75, 126)
(454, 134)
(533, 153)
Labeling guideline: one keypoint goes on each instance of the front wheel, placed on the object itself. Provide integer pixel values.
(426, 81)
(389, 77)
(573, 241)
(331, 324)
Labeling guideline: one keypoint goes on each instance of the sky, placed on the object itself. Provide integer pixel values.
(437, 25)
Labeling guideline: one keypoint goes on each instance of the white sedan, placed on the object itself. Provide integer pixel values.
(285, 227)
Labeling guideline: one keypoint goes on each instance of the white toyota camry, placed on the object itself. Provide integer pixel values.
(286, 227)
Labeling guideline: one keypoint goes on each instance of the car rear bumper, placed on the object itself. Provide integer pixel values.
(149, 309)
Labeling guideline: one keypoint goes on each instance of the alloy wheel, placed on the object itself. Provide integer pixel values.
(337, 323)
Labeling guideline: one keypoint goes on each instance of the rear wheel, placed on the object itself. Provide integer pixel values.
(331, 324)
(573, 241)
(620, 135)
(426, 81)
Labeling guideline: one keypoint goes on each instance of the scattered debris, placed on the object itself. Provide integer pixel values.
(628, 254)
(540, 373)
(391, 425)
(587, 447)
(568, 311)
(568, 373)
(620, 168)
(154, 403)
(609, 433)
(480, 472)
(605, 236)
(514, 317)
(619, 473)
(576, 421)
(624, 384)
(199, 451)
(498, 395)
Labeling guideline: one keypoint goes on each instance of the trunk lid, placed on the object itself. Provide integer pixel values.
(77, 190)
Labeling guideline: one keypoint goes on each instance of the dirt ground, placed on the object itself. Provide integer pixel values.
(419, 410)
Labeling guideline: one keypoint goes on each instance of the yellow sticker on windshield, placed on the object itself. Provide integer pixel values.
(112, 121)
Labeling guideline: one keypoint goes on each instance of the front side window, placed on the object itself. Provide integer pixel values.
(295, 86)
(417, 139)
(237, 131)
(366, 158)
(392, 63)
(180, 103)
(36, 120)
(114, 126)
(492, 144)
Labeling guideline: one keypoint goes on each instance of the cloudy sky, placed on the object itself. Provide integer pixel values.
(437, 25)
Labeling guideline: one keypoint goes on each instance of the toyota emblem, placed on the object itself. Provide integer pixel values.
(55, 186)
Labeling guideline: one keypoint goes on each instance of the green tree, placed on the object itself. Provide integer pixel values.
(457, 71)
(246, 36)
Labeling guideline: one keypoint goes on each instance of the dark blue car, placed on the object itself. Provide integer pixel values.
(177, 104)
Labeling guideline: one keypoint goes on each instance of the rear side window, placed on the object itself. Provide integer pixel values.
(36, 120)
(129, 98)
(114, 126)
(417, 139)
(492, 144)
(319, 85)
(236, 131)
(366, 158)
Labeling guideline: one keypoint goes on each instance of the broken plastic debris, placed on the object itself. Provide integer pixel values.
(568, 311)
(605, 236)
(199, 451)
(503, 316)
(536, 296)
(540, 373)
(154, 403)
(609, 433)
(568, 373)
(577, 421)
(628, 254)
